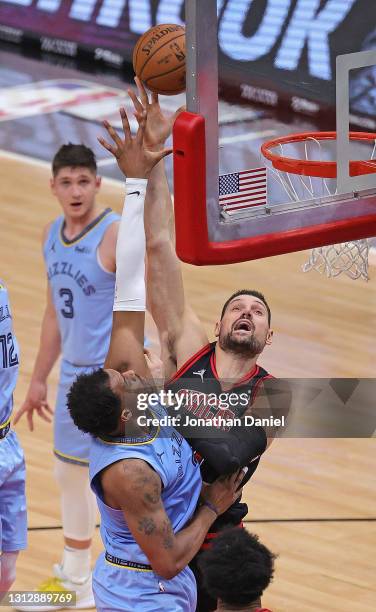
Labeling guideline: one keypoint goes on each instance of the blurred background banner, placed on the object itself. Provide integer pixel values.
(278, 53)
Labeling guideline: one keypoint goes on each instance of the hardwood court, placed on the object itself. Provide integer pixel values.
(322, 328)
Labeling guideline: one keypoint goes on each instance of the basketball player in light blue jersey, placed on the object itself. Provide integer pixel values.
(79, 253)
(13, 521)
(144, 475)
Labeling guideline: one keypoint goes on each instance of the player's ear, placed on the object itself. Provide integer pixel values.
(52, 184)
(217, 329)
(125, 415)
(98, 182)
(269, 337)
(129, 374)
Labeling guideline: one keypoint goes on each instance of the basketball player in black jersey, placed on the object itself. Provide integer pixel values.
(227, 368)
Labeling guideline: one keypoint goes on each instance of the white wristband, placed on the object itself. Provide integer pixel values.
(130, 294)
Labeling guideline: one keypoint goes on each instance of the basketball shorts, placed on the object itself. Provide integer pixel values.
(13, 517)
(70, 444)
(119, 589)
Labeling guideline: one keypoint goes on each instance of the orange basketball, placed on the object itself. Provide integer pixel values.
(159, 59)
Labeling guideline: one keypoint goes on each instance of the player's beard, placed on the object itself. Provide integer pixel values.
(248, 347)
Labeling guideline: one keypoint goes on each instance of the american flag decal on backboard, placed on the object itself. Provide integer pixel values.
(240, 190)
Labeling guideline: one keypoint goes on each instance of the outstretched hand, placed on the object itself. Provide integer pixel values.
(158, 126)
(134, 159)
(36, 400)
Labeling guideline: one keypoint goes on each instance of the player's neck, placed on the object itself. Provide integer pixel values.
(231, 366)
(74, 226)
(223, 607)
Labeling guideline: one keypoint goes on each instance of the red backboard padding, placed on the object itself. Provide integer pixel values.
(192, 240)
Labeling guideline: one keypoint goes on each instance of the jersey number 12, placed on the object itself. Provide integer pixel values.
(8, 352)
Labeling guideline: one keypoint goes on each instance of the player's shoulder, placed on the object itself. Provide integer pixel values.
(46, 230)
(189, 361)
(130, 474)
(110, 233)
(113, 228)
(107, 246)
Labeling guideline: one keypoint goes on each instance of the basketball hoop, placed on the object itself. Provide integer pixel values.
(299, 162)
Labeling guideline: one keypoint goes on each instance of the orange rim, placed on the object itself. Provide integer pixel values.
(322, 169)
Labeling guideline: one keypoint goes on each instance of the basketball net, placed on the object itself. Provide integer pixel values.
(350, 258)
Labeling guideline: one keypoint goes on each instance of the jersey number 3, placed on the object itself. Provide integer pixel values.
(67, 311)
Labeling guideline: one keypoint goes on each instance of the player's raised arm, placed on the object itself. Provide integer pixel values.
(181, 333)
(136, 162)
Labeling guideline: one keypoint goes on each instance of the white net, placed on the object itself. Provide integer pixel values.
(350, 258)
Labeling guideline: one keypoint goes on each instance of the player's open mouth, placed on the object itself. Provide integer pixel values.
(243, 325)
(76, 204)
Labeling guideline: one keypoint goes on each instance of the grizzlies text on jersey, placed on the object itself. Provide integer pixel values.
(123, 578)
(82, 290)
(83, 294)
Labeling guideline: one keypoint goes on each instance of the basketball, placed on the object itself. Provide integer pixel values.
(159, 59)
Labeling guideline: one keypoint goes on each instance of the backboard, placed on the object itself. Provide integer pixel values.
(208, 234)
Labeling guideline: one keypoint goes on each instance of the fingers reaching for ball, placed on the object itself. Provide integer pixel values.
(158, 125)
(132, 155)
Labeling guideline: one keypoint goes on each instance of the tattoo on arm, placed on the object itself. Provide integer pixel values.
(152, 496)
(168, 535)
(146, 487)
(146, 484)
(146, 525)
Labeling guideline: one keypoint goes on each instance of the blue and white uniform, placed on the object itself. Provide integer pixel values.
(13, 519)
(83, 294)
(123, 579)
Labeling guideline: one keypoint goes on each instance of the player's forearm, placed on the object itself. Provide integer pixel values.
(158, 209)
(188, 541)
(126, 345)
(49, 347)
(165, 289)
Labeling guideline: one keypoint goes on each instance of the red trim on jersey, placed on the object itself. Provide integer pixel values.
(213, 534)
(205, 349)
(245, 378)
(257, 386)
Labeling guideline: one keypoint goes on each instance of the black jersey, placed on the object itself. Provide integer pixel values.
(197, 380)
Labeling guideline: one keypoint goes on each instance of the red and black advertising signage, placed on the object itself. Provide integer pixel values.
(273, 52)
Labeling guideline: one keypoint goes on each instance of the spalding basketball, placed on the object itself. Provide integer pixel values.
(159, 59)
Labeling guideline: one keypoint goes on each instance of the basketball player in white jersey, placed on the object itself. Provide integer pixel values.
(79, 253)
